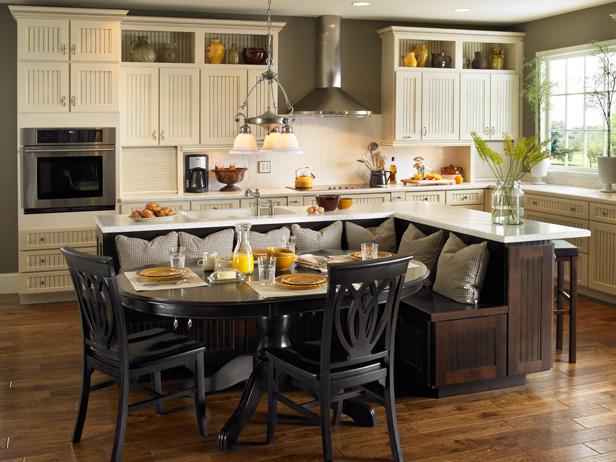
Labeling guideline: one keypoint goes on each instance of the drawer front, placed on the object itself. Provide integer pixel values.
(251, 203)
(465, 197)
(50, 239)
(581, 242)
(215, 204)
(45, 260)
(398, 197)
(50, 281)
(127, 208)
(368, 198)
(435, 196)
(309, 200)
(557, 206)
(603, 212)
(471, 206)
(295, 201)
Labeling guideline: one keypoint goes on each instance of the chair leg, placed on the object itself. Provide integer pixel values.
(83, 402)
(560, 302)
(337, 413)
(199, 378)
(392, 421)
(121, 419)
(326, 424)
(272, 403)
(157, 384)
(573, 309)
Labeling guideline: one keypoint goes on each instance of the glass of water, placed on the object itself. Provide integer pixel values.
(369, 251)
(289, 243)
(267, 270)
(177, 258)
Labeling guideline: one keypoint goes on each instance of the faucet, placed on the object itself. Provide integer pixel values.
(257, 196)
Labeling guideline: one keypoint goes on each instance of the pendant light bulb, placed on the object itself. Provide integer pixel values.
(245, 142)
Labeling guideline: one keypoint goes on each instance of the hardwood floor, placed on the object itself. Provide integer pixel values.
(566, 414)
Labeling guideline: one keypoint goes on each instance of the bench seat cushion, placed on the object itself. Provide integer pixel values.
(309, 240)
(220, 242)
(384, 235)
(135, 253)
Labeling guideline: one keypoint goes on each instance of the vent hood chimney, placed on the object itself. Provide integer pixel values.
(329, 99)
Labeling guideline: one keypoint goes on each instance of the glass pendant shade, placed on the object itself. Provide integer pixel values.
(271, 139)
(245, 142)
(286, 141)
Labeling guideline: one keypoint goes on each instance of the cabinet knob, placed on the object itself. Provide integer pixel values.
(425, 199)
(493, 131)
(63, 100)
(42, 282)
(486, 131)
(534, 202)
(63, 48)
(604, 214)
(74, 49)
(464, 198)
(42, 239)
(573, 209)
(73, 101)
(42, 261)
(424, 131)
(153, 134)
(406, 137)
(162, 134)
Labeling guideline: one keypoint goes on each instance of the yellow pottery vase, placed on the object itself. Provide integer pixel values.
(410, 60)
(216, 51)
(421, 54)
(497, 59)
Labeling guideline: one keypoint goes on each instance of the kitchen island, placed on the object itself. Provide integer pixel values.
(507, 335)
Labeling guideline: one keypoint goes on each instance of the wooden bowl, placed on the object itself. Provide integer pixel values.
(230, 177)
(254, 55)
(284, 257)
(345, 203)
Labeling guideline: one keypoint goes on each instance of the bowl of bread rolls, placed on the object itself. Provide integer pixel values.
(153, 211)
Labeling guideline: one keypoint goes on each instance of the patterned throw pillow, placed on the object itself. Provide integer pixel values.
(384, 235)
(135, 253)
(461, 270)
(273, 238)
(220, 242)
(309, 240)
(423, 248)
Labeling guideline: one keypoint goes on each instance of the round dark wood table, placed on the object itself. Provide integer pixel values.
(273, 320)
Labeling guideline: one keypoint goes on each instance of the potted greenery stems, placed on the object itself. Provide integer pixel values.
(603, 95)
(519, 158)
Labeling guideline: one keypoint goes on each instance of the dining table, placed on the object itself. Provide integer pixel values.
(273, 316)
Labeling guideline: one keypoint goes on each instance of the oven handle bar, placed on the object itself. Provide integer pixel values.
(61, 150)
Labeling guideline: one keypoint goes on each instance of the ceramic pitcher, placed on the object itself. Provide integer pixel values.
(497, 59)
(215, 51)
(421, 54)
(410, 60)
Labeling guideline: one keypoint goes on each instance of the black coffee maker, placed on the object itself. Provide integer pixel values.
(196, 173)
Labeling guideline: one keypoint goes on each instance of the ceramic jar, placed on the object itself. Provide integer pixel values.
(233, 55)
(421, 54)
(169, 53)
(479, 61)
(142, 51)
(497, 59)
(410, 60)
(441, 60)
(215, 51)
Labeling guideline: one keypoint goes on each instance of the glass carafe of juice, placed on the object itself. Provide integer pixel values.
(243, 260)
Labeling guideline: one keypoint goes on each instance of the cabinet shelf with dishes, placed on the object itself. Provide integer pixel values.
(158, 46)
(235, 49)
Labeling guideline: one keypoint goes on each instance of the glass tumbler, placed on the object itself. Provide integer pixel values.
(369, 251)
(289, 243)
(177, 258)
(267, 270)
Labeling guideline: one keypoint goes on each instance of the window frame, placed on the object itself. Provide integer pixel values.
(567, 52)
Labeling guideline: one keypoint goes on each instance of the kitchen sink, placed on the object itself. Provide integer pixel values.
(233, 214)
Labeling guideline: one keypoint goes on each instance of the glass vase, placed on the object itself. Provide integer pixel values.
(243, 259)
(507, 203)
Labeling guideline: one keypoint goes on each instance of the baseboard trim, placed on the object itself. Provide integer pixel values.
(9, 283)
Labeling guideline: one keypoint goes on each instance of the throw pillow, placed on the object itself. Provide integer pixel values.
(384, 235)
(220, 242)
(273, 238)
(134, 252)
(461, 270)
(309, 240)
(423, 248)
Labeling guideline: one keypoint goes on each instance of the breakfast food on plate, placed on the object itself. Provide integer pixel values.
(152, 210)
(153, 206)
(147, 213)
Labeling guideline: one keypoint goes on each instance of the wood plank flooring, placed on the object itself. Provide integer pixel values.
(566, 414)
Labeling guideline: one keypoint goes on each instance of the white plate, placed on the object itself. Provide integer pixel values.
(154, 219)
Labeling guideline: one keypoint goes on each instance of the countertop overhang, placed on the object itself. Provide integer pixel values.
(454, 219)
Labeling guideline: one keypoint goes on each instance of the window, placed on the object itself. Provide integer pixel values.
(572, 120)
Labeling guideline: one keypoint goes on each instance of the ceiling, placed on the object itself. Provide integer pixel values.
(436, 11)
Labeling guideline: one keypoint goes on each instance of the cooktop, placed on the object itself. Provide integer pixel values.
(332, 187)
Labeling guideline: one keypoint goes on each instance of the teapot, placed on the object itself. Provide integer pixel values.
(303, 179)
(441, 60)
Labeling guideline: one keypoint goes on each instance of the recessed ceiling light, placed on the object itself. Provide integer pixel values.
(461, 10)
(360, 3)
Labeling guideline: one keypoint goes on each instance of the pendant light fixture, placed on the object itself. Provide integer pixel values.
(280, 137)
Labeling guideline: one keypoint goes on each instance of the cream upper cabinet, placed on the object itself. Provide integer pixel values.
(440, 106)
(222, 92)
(408, 105)
(504, 106)
(179, 106)
(95, 40)
(474, 105)
(139, 106)
(94, 87)
(43, 87)
(43, 39)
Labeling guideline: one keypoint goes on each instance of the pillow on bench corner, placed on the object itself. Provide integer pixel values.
(384, 235)
(423, 248)
(220, 242)
(273, 238)
(309, 240)
(461, 270)
(134, 252)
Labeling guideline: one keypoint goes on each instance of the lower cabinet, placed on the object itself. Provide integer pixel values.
(430, 196)
(601, 267)
(251, 203)
(217, 204)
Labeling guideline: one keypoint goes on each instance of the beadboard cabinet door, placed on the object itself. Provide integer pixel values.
(504, 106)
(440, 106)
(94, 87)
(474, 105)
(179, 106)
(601, 268)
(42, 39)
(95, 40)
(139, 106)
(43, 87)
(222, 92)
(408, 105)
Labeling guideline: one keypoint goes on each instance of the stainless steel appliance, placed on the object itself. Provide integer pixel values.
(333, 187)
(196, 173)
(68, 169)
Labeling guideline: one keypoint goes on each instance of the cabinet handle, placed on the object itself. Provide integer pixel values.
(63, 101)
(42, 261)
(73, 101)
(162, 134)
(42, 239)
(424, 131)
(604, 214)
(74, 49)
(154, 134)
(464, 198)
(486, 131)
(534, 202)
(573, 209)
(406, 137)
(493, 131)
(42, 282)
(425, 199)
(63, 48)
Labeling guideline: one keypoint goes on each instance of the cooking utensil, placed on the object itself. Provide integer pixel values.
(305, 179)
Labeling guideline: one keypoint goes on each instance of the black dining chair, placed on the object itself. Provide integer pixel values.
(126, 358)
(355, 355)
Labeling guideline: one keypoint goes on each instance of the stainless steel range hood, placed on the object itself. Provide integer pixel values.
(329, 99)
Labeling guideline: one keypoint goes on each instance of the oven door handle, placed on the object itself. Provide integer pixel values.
(62, 150)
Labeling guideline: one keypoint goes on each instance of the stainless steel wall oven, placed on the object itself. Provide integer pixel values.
(68, 169)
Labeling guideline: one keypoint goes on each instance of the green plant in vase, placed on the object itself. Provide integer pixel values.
(509, 169)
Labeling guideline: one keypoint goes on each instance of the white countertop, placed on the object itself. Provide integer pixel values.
(571, 192)
(455, 219)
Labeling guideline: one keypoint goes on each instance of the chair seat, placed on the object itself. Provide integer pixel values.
(154, 344)
(564, 249)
